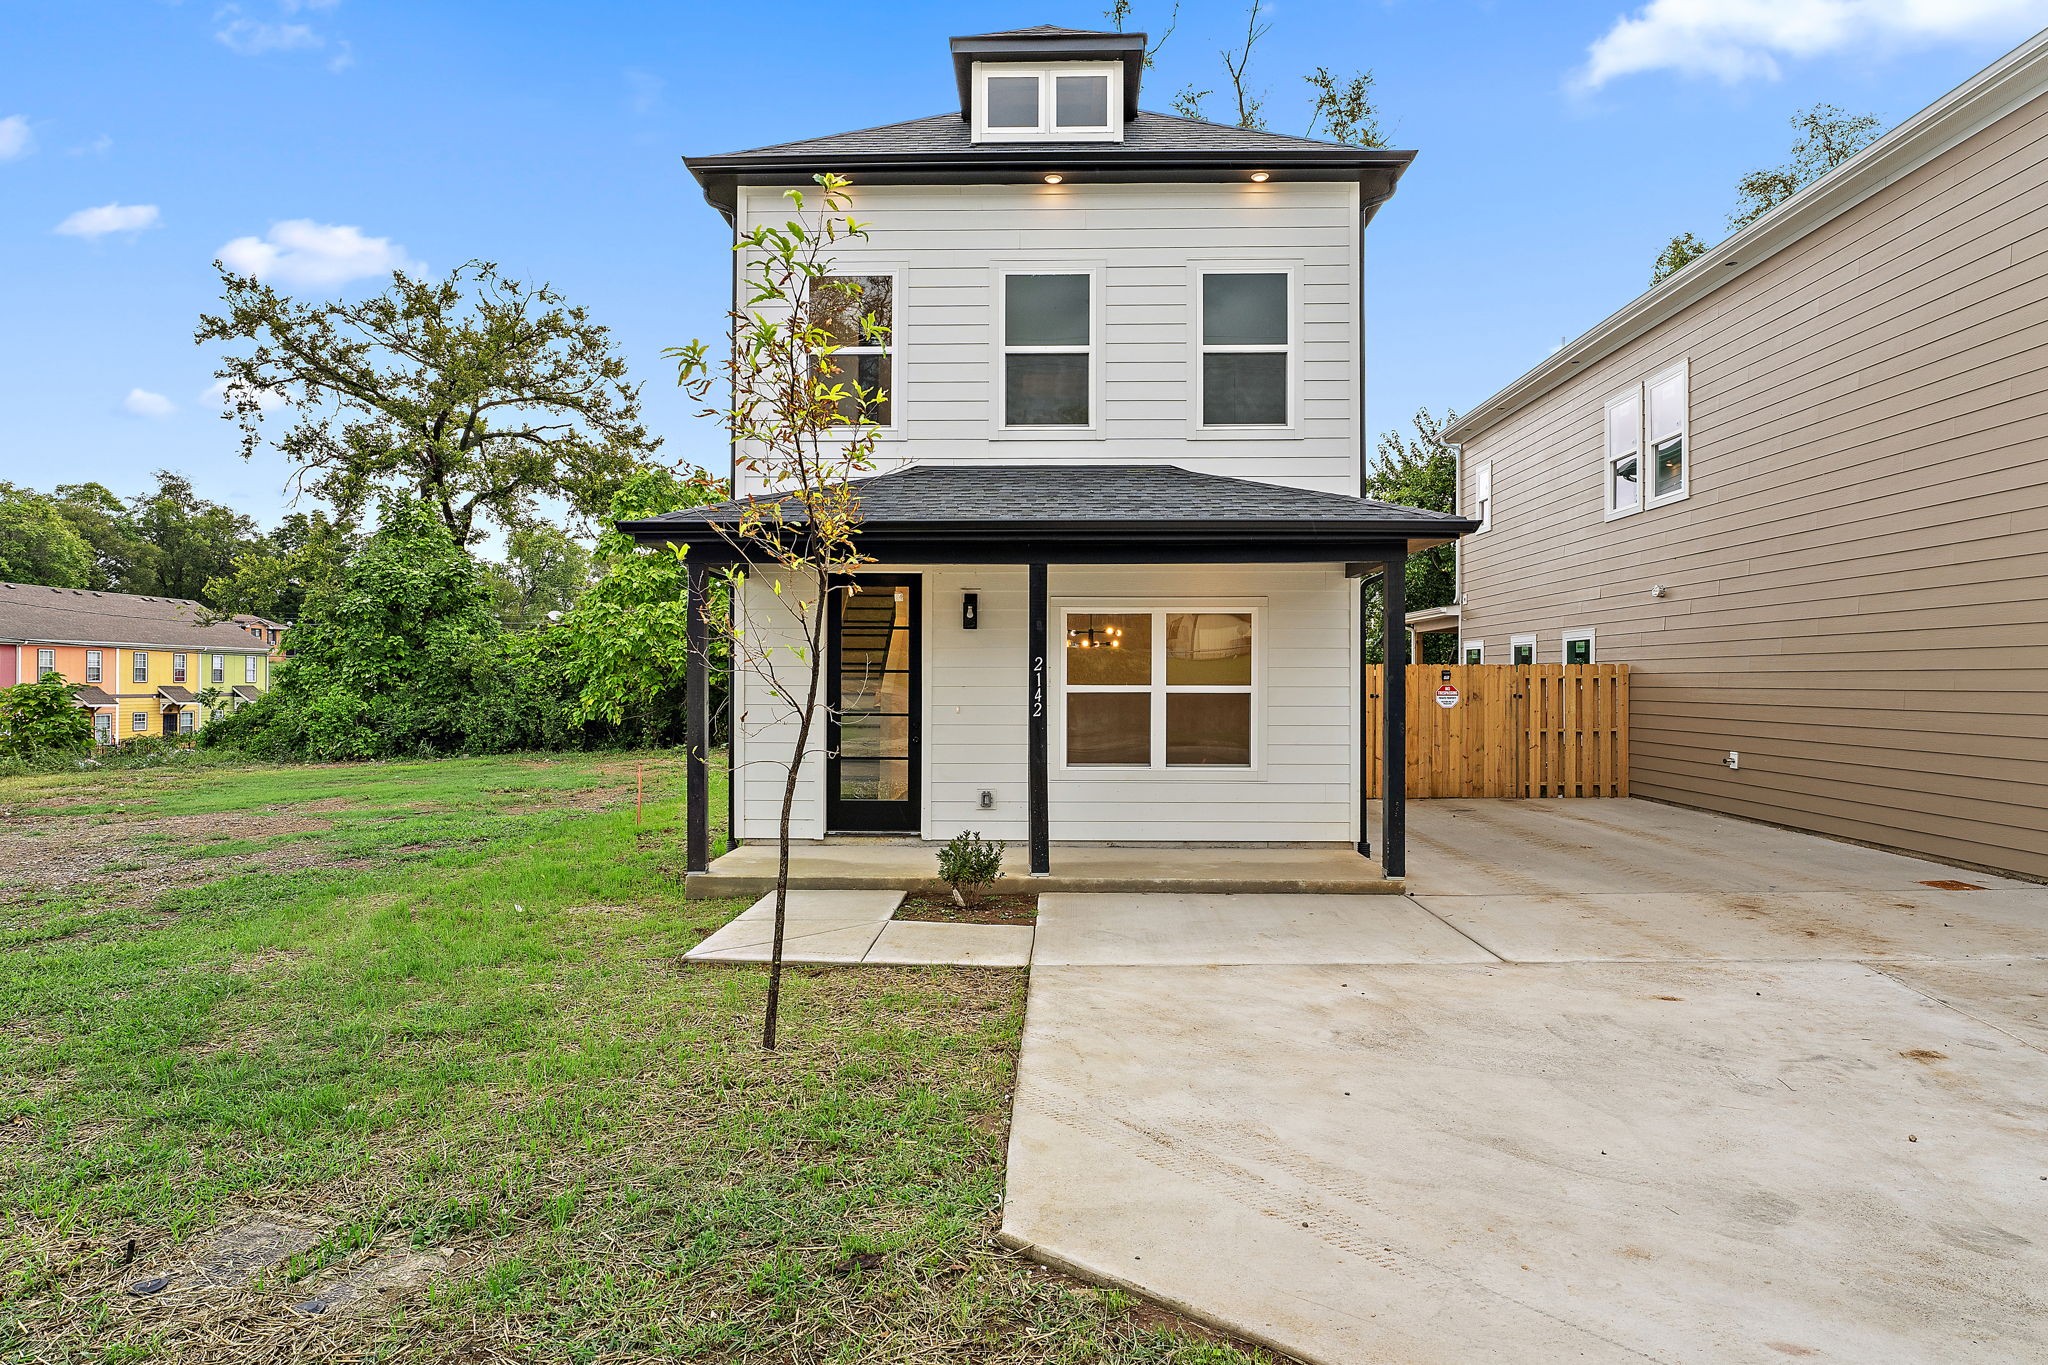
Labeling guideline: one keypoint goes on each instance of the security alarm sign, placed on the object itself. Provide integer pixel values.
(1447, 696)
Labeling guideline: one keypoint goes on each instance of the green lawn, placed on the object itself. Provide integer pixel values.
(435, 1015)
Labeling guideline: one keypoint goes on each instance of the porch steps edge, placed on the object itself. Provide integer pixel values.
(728, 885)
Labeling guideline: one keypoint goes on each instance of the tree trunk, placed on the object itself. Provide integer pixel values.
(815, 640)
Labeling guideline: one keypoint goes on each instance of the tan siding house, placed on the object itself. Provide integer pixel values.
(1823, 547)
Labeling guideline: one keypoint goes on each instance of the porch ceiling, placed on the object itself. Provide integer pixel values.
(1087, 514)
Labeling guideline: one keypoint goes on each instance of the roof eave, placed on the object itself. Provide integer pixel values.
(2018, 77)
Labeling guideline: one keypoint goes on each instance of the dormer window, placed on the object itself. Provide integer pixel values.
(1062, 102)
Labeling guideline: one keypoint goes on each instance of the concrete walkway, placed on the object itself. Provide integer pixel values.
(1622, 1083)
(855, 927)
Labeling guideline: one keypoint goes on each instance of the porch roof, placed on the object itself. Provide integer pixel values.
(1087, 514)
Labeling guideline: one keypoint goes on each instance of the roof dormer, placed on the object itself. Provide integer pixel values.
(1048, 84)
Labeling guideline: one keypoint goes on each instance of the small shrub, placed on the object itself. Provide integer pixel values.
(970, 864)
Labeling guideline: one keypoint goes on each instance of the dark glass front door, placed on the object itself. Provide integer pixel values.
(872, 732)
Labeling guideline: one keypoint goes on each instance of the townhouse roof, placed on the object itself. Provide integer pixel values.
(940, 149)
(2013, 80)
(1106, 512)
(244, 692)
(34, 613)
(94, 698)
(179, 695)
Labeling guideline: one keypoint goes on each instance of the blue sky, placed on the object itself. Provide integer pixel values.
(1561, 144)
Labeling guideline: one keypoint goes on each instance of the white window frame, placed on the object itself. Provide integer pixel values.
(248, 668)
(1515, 642)
(95, 665)
(102, 727)
(1586, 634)
(1292, 350)
(138, 666)
(1482, 496)
(1000, 412)
(181, 668)
(894, 271)
(1609, 459)
(46, 662)
(187, 721)
(1683, 432)
(1047, 74)
(217, 670)
(1159, 689)
(1471, 646)
(138, 723)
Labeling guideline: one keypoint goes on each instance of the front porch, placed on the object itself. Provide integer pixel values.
(906, 865)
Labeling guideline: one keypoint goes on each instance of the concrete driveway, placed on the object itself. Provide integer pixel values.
(1619, 1082)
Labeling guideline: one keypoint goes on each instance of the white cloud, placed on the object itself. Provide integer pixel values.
(300, 251)
(15, 138)
(1736, 40)
(255, 37)
(143, 403)
(96, 223)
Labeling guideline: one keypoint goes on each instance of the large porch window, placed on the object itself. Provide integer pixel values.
(1160, 687)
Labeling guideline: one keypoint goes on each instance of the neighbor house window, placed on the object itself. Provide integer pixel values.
(1247, 344)
(139, 722)
(185, 722)
(177, 668)
(218, 673)
(102, 727)
(1048, 350)
(838, 304)
(1624, 465)
(1522, 649)
(93, 659)
(140, 672)
(1578, 646)
(248, 668)
(1068, 102)
(1158, 687)
(1482, 496)
(1475, 651)
(1664, 404)
(46, 663)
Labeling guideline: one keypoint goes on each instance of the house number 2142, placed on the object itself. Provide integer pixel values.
(1037, 685)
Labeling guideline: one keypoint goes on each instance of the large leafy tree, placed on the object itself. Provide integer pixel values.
(476, 394)
(38, 544)
(189, 540)
(1419, 470)
(120, 557)
(544, 571)
(273, 577)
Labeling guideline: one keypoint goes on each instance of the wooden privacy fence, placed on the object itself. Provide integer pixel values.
(1518, 730)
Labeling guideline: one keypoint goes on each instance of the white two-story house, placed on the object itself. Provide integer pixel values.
(1121, 560)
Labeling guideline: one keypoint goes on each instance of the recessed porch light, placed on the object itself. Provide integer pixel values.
(1261, 177)
(1053, 177)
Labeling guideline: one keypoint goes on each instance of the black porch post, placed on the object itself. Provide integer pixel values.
(1364, 720)
(1041, 819)
(697, 725)
(1394, 717)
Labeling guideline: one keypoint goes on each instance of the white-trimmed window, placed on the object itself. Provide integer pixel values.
(1482, 496)
(139, 666)
(46, 663)
(1062, 102)
(248, 668)
(1048, 328)
(1623, 467)
(1244, 320)
(94, 665)
(139, 722)
(187, 720)
(1473, 651)
(1578, 647)
(838, 303)
(1521, 649)
(1664, 414)
(103, 727)
(1159, 687)
(177, 668)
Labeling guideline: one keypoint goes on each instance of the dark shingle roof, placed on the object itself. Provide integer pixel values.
(172, 693)
(93, 698)
(31, 611)
(1068, 498)
(949, 134)
(1049, 31)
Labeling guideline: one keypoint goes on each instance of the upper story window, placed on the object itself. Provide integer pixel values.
(1059, 102)
(1048, 350)
(248, 668)
(1647, 447)
(1482, 496)
(218, 670)
(46, 663)
(139, 666)
(1247, 348)
(93, 665)
(838, 305)
(177, 668)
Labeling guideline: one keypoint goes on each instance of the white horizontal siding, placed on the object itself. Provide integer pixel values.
(946, 244)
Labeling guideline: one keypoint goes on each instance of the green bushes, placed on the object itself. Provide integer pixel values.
(970, 864)
(42, 719)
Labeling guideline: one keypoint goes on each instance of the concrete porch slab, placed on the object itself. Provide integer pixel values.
(1168, 929)
(749, 870)
(819, 926)
(914, 943)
